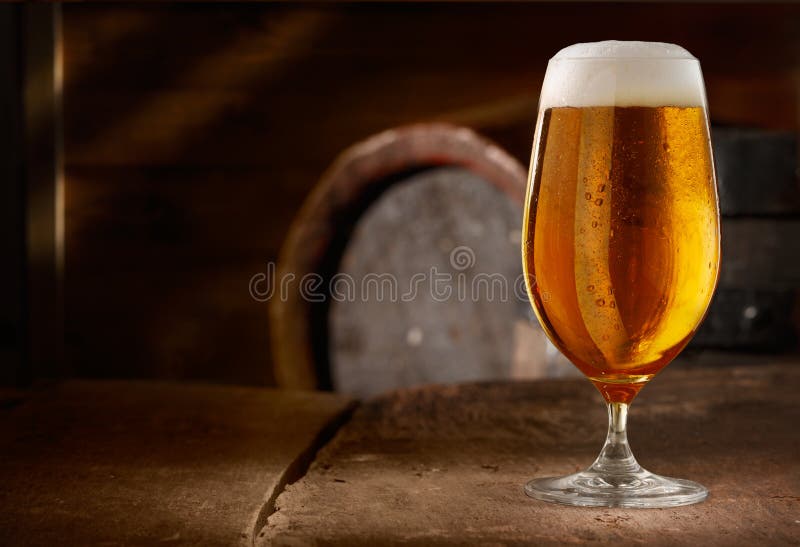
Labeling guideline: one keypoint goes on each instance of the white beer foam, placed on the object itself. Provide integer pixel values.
(623, 74)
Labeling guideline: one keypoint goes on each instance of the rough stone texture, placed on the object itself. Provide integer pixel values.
(111, 463)
(446, 465)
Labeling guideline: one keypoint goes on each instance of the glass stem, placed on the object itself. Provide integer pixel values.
(616, 457)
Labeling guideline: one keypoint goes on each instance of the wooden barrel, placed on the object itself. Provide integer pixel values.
(392, 213)
(757, 299)
(410, 205)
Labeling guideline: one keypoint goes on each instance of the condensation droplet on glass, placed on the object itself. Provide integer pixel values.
(612, 304)
(590, 288)
(598, 201)
(600, 302)
(595, 224)
(601, 188)
(588, 196)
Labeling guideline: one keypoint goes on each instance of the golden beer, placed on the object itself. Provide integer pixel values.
(620, 242)
(621, 246)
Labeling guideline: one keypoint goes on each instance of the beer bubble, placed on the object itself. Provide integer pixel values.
(600, 302)
(612, 304)
(588, 196)
(601, 188)
(590, 288)
(595, 224)
(598, 201)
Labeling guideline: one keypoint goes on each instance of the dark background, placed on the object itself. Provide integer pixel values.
(193, 133)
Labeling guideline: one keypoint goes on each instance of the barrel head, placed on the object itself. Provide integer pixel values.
(756, 171)
(437, 295)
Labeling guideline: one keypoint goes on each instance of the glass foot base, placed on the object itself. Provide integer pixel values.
(639, 489)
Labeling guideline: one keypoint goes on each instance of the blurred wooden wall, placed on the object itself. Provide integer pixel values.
(193, 133)
(12, 211)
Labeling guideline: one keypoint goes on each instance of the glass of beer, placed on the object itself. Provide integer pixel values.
(621, 241)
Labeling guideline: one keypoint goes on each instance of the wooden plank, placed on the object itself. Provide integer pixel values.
(197, 322)
(757, 172)
(271, 61)
(157, 280)
(92, 463)
(12, 225)
(760, 253)
(446, 465)
(123, 213)
(750, 320)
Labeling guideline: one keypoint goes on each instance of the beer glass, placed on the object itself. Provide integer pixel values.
(620, 240)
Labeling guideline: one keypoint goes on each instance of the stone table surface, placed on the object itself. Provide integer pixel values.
(446, 465)
(138, 463)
